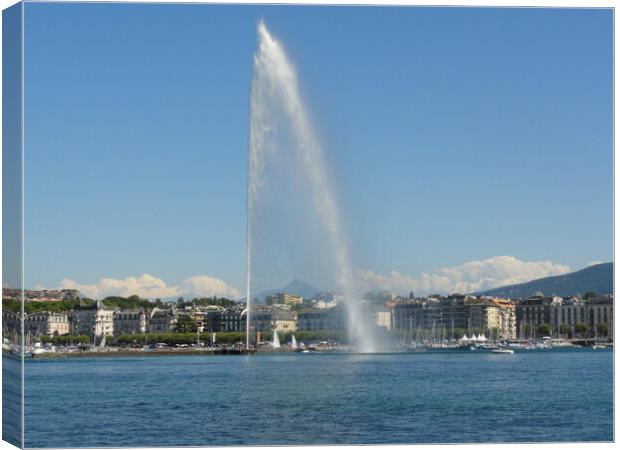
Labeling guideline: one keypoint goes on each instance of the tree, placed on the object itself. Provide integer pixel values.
(543, 330)
(65, 340)
(185, 324)
(581, 329)
(602, 329)
(565, 329)
(130, 302)
(458, 333)
(589, 294)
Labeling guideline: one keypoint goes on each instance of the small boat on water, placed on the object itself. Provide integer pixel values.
(18, 353)
(598, 347)
(506, 351)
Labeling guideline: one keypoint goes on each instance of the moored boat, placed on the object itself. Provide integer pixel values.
(506, 351)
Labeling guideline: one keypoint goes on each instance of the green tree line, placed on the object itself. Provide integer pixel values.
(65, 340)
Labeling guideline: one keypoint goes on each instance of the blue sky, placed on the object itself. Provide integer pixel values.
(459, 135)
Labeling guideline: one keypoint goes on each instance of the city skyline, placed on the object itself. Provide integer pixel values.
(472, 152)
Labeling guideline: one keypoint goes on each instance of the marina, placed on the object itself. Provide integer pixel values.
(39, 351)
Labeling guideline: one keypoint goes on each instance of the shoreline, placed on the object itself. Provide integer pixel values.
(125, 353)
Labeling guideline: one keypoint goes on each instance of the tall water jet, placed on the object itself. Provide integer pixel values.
(281, 141)
(275, 343)
(293, 342)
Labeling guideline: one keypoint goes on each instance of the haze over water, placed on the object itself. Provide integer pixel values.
(294, 226)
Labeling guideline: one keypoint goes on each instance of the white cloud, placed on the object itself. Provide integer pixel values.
(207, 286)
(593, 263)
(148, 286)
(468, 277)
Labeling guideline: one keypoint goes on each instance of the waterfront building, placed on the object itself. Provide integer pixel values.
(196, 315)
(494, 317)
(39, 324)
(163, 320)
(275, 317)
(322, 319)
(213, 319)
(408, 315)
(570, 312)
(383, 316)
(234, 319)
(284, 320)
(536, 311)
(130, 322)
(426, 313)
(456, 312)
(564, 313)
(94, 320)
(11, 324)
(590, 312)
(600, 310)
(261, 318)
(47, 323)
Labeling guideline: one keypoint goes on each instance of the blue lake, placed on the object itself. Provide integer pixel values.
(535, 396)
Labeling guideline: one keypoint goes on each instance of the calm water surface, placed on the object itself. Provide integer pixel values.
(319, 399)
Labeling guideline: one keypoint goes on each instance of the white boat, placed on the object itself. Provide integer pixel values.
(561, 343)
(503, 350)
(598, 347)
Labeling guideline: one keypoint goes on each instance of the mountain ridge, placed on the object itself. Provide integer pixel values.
(295, 287)
(598, 278)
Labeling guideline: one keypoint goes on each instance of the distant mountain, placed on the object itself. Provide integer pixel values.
(296, 287)
(598, 278)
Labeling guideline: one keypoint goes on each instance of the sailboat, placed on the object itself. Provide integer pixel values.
(293, 342)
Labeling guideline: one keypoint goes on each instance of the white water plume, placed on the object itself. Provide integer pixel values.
(290, 198)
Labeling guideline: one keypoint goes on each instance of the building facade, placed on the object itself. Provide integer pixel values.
(163, 321)
(564, 314)
(234, 319)
(94, 320)
(447, 315)
(47, 324)
(323, 319)
(130, 322)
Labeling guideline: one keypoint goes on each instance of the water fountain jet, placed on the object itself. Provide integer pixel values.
(280, 128)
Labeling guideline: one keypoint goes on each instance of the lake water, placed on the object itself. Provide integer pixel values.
(319, 399)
